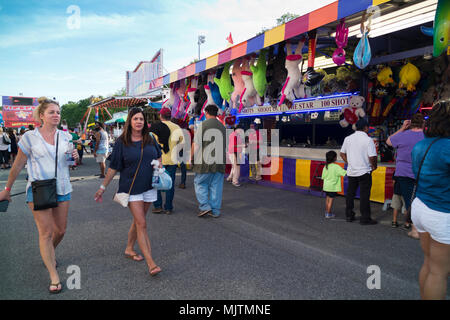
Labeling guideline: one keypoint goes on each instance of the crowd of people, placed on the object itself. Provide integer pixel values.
(422, 176)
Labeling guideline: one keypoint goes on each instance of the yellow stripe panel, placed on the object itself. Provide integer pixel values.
(274, 36)
(212, 62)
(303, 173)
(174, 76)
(378, 185)
(377, 2)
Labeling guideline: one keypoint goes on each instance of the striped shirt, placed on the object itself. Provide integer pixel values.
(41, 159)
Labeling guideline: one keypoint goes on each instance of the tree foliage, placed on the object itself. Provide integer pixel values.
(285, 18)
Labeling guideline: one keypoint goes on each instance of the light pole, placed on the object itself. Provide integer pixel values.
(201, 39)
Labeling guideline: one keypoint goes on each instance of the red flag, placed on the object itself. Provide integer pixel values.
(230, 39)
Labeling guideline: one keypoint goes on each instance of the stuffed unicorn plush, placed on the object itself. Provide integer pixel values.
(224, 83)
(170, 102)
(259, 76)
(190, 109)
(239, 84)
(248, 97)
(209, 101)
(215, 91)
(293, 88)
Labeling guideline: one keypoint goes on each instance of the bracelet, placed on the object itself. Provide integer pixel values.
(102, 187)
(7, 189)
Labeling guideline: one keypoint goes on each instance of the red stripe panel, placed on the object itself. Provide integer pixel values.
(316, 165)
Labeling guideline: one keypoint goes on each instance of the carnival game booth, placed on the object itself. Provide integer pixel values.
(312, 78)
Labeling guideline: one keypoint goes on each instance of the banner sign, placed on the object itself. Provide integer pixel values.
(302, 105)
(19, 116)
(142, 79)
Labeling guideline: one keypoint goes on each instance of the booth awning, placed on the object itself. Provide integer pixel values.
(119, 102)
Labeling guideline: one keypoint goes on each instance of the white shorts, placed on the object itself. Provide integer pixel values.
(101, 158)
(149, 196)
(436, 223)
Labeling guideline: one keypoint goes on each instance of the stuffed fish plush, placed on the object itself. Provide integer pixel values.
(385, 76)
(441, 30)
(224, 83)
(409, 77)
(363, 53)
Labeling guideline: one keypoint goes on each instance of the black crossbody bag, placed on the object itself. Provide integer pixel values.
(44, 191)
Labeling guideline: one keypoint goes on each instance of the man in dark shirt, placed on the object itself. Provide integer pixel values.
(209, 163)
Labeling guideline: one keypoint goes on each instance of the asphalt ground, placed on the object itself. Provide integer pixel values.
(269, 244)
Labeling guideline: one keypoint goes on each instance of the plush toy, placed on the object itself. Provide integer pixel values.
(409, 77)
(259, 76)
(441, 30)
(215, 91)
(248, 97)
(190, 109)
(353, 112)
(182, 103)
(239, 84)
(224, 83)
(312, 78)
(170, 102)
(341, 42)
(363, 53)
(293, 88)
(276, 73)
(385, 76)
(209, 101)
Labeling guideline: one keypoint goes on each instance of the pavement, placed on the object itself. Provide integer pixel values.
(269, 244)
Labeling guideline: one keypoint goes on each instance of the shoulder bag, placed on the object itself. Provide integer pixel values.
(44, 191)
(123, 198)
(420, 169)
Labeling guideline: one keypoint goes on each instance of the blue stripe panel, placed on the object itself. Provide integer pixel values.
(255, 44)
(348, 7)
(200, 66)
(289, 167)
(166, 79)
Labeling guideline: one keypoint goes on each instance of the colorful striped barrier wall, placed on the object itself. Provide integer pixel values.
(287, 173)
(313, 20)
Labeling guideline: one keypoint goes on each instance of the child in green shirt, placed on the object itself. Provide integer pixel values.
(331, 177)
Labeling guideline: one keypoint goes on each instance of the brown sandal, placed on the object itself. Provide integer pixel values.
(57, 290)
(155, 271)
(134, 257)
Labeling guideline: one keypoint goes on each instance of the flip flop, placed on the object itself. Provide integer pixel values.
(133, 257)
(155, 271)
(57, 286)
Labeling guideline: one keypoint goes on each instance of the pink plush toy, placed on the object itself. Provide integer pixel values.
(180, 92)
(239, 84)
(353, 112)
(293, 88)
(191, 94)
(341, 42)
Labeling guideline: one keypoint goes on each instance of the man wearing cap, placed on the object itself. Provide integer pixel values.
(168, 141)
(359, 152)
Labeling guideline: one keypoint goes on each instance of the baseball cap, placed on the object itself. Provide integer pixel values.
(166, 112)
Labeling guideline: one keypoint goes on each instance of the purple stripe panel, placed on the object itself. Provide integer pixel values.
(200, 66)
(348, 7)
(224, 57)
(255, 44)
(296, 27)
(182, 73)
(289, 168)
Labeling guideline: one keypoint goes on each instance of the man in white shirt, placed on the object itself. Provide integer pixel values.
(359, 152)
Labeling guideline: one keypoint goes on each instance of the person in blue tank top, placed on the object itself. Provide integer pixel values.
(431, 207)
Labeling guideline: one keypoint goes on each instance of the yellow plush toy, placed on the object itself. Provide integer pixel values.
(385, 76)
(409, 77)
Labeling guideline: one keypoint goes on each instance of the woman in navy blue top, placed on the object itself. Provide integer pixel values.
(125, 159)
(431, 208)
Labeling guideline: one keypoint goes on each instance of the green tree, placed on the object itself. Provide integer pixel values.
(285, 18)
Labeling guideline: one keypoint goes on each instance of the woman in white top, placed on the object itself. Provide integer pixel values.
(4, 153)
(37, 149)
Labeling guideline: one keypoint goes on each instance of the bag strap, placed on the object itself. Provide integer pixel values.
(423, 160)
(56, 158)
(139, 165)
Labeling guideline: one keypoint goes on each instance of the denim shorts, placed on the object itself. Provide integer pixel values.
(59, 198)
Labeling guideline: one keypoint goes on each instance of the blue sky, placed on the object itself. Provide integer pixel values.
(41, 56)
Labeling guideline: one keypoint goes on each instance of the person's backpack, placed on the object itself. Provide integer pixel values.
(6, 139)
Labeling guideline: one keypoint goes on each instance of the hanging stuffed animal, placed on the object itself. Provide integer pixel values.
(248, 97)
(239, 84)
(276, 72)
(215, 91)
(311, 77)
(209, 101)
(293, 88)
(170, 102)
(259, 76)
(182, 103)
(409, 77)
(341, 42)
(363, 53)
(190, 109)
(441, 30)
(384, 77)
(224, 83)
(353, 112)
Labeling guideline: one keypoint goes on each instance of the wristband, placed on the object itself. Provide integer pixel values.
(102, 187)
(8, 189)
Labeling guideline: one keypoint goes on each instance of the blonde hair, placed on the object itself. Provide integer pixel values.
(44, 102)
